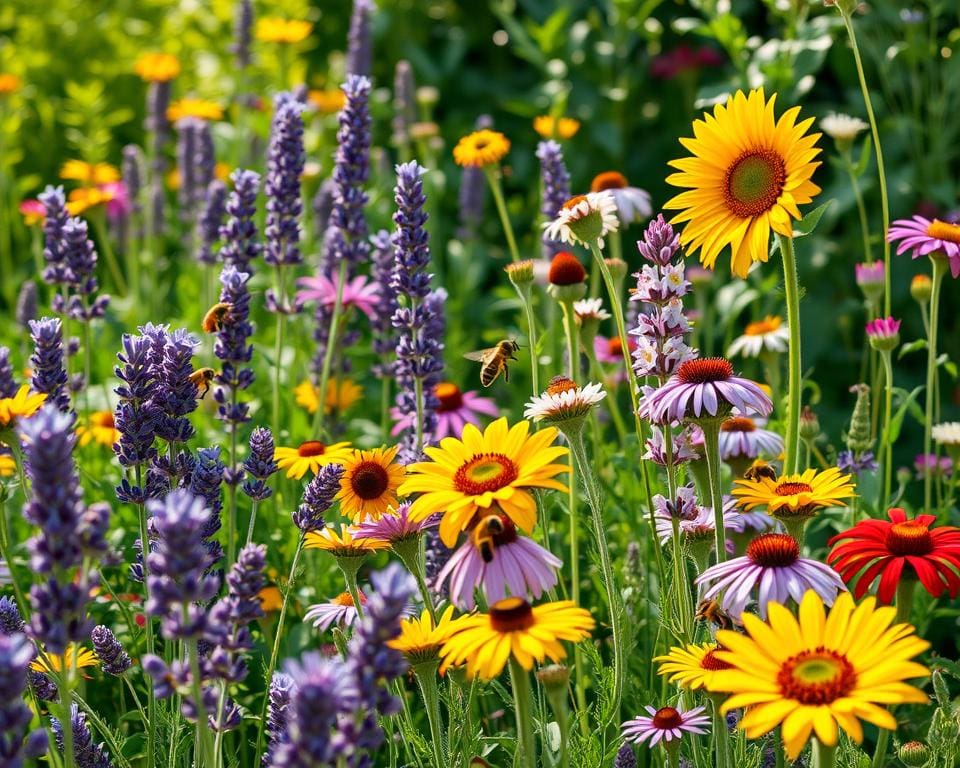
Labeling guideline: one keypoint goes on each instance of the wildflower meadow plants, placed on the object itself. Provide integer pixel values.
(450, 385)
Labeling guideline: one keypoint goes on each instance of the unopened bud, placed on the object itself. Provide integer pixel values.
(920, 288)
(914, 754)
(809, 424)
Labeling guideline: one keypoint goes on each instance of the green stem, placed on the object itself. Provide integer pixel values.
(939, 270)
(887, 416)
(65, 686)
(824, 756)
(112, 264)
(493, 177)
(253, 520)
(722, 735)
(278, 351)
(318, 424)
(711, 444)
(905, 591)
(527, 300)
(203, 747)
(523, 707)
(148, 624)
(792, 295)
(426, 675)
(861, 208)
(880, 751)
(410, 552)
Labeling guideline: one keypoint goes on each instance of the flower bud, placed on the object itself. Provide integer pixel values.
(617, 267)
(858, 438)
(520, 272)
(884, 333)
(870, 278)
(554, 676)
(914, 754)
(809, 424)
(920, 288)
(567, 277)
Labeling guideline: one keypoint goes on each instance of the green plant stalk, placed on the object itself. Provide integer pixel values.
(558, 704)
(824, 756)
(904, 600)
(939, 270)
(150, 725)
(794, 383)
(721, 734)
(887, 416)
(527, 300)
(107, 249)
(349, 566)
(496, 188)
(878, 152)
(253, 520)
(410, 552)
(275, 652)
(711, 445)
(426, 675)
(278, 351)
(523, 708)
(203, 746)
(318, 423)
(861, 208)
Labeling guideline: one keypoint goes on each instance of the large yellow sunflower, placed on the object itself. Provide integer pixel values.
(22, 405)
(485, 641)
(692, 666)
(368, 486)
(748, 174)
(823, 671)
(497, 466)
(310, 456)
(419, 640)
(795, 495)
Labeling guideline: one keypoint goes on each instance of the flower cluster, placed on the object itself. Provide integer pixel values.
(233, 347)
(285, 159)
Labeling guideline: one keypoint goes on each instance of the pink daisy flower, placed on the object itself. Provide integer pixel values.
(501, 562)
(339, 611)
(609, 351)
(455, 410)
(357, 292)
(927, 236)
(743, 437)
(665, 724)
(395, 526)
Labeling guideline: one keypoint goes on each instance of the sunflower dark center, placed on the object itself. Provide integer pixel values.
(104, 420)
(311, 448)
(484, 473)
(753, 182)
(816, 677)
(792, 489)
(773, 550)
(614, 346)
(369, 480)
(712, 663)
(909, 538)
(449, 395)
(944, 231)
(667, 718)
(705, 370)
(512, 614)
(738, 424)
(608, 180)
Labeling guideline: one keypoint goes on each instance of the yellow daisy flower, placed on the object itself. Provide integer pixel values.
(276, 30)
(823, 670)
(368, 486)
(498, 466)
(100, 429)
(89, 174)
(309, 457)
(329, 101)
(76, 657)
(343, 544)
(748, 174)
(79, 201)
(8, 83)
(340, 395)
(485, 641)
(7, 465)
(419, 640)
(22, 405)
(481, 148)
(157, 67)
(692, 666)
(199, 108)
(556, 128)
(271, 599)
(795, 495)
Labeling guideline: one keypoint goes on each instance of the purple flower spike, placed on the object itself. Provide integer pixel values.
(8, 385)
(19, 745)
(113, 659)
(233, 347)
(86, 753)
(239, 234)
(318, 498)
(260, 464)
(285, 160)
(359, 47)
(555, 181)
(49, 376)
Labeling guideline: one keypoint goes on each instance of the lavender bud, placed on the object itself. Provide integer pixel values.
(49, 376)
(260, 464)
(211, 220)
(555, 182)
(239, 234)
(318, 498)
(285, 161)
(113, 659)
(359, 46)
(27, 303)
(8, 385)
(86, 754)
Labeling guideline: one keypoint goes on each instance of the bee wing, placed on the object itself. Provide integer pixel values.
(480, 355)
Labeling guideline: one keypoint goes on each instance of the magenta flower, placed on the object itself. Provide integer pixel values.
(664, 724)
(357, 292)
(928, 462)
(395, 526)
(339, 611)
(496, 558)
(870, 278)
(883, 333)
(119, 204)
(927, 236)
(743, 437)
(610, 351)
(703, 388)
(695, 522)
(772, 566)
(455, 410)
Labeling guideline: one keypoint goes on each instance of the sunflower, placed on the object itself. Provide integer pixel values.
(419, 640)
(485, 641)
(22, 405)
(344, 543)
(795, 495)
(692, 666)
(310, 456)
(368, 487)
(747, 175)
(157, 67)
(276, 30)
(497, 466)
(819, 672)
(100, 429)
(198, 108)
(340, 395)
(481, 148)
(75, 658)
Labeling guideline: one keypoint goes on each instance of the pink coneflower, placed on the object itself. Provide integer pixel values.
(395, 526)
(357, 292)
(455, 410)
(609, 350)
(500, 561)
(772, 566)
(870, 278)
(745, 438)
(118, 201)
(695, 522)
(928, 462)
(339, 610)
(682, 446)
(883, 333)
(664, 724)
(704, 388)
(33, 211)
(926, 236)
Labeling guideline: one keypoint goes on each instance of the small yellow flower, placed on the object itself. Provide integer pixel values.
(368, 487)
(481, 148)
(157, 67)
(328, 101)
(340, 395)
(343, 544)
(100, 429)
(89, 174)
(310, 456)
(76, 657)
(22, 405)
(79, 201)
(275, 30)
(556, 128)
(7, 465)
(419, 640)
(8, 83)
(199, 108)
(271, 599)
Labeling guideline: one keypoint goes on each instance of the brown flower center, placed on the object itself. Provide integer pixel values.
(944, 231)
(738, 424)
(792, 489)
(369, 480)
(773, 550)
(761, 327)
(712, 663)
(608, 180)
(566, 269)
(484, 473)
(909, 538)
(667, 718)
(346, 599)
(449, 395)
(705, 370)
(103, 419)
(573, 202)
(311, 448)
(754, 182)
(560, 384)
(513, 614)
(816, 677)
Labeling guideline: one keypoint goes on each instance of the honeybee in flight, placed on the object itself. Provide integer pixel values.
(760, 470)
(202, 378)
(493, 361)
(484, 535)
(215, 317)
(711, 612)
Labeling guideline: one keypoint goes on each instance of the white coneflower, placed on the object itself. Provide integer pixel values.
(585, 219)
(842, 128)
(563, 401)
(633, 203)
(947, 433)
(586, 310)
(769, 334)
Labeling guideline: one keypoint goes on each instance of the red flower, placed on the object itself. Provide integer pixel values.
(877, 548)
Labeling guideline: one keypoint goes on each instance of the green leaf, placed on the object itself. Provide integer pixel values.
(897, 421)
(913, 346)
(808, 223)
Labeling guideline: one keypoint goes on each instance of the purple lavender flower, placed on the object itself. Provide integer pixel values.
(27, 303)
(49, 376)
(55, 217)
(10, 620)
(282, 687)
(211, 220)
(285, 160)
(404, 102)
(233, 347)
(137, 414)
(435, 557)
(86, 754)
(359, 46)
(187, 128)
(260, 464)
(8, 385)
(206, 479)
(384, 343)
(318, 498)
(857, 463)
(243, 34)
(80, 256)
(16, 653)
(113, 659)
(555, 183)
(322, 208)
(176, 394)
(239, 234)
(132, 174)
(625, 758)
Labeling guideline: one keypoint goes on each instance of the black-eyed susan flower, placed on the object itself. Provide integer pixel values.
(514, 629)
(341, 395)
(99, 428)
(795, 495)
(747, 175)
(500, 465)
(76, 657)
(21, 406)
(820, 672)
(343, 543)
(368, 486)
(271, 29)
(310, 456)
(481, 148)
(201, 109)
(89, 174)
(420, 640)
(550, 127)
(157, 67)
(691, 666)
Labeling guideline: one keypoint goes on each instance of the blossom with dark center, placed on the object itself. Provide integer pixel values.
(744, 437)
(665, 724)
(633, 203)
(455, 409)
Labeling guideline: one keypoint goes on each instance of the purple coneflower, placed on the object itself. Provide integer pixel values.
(633, 203)
(936, 466)
(683, 446)
(455, 409)
(742, 437)
(772, 565)
(694, 522)
(396, 526)
(665, 724)
(925, 236)
(357, 292)
(339, 611)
